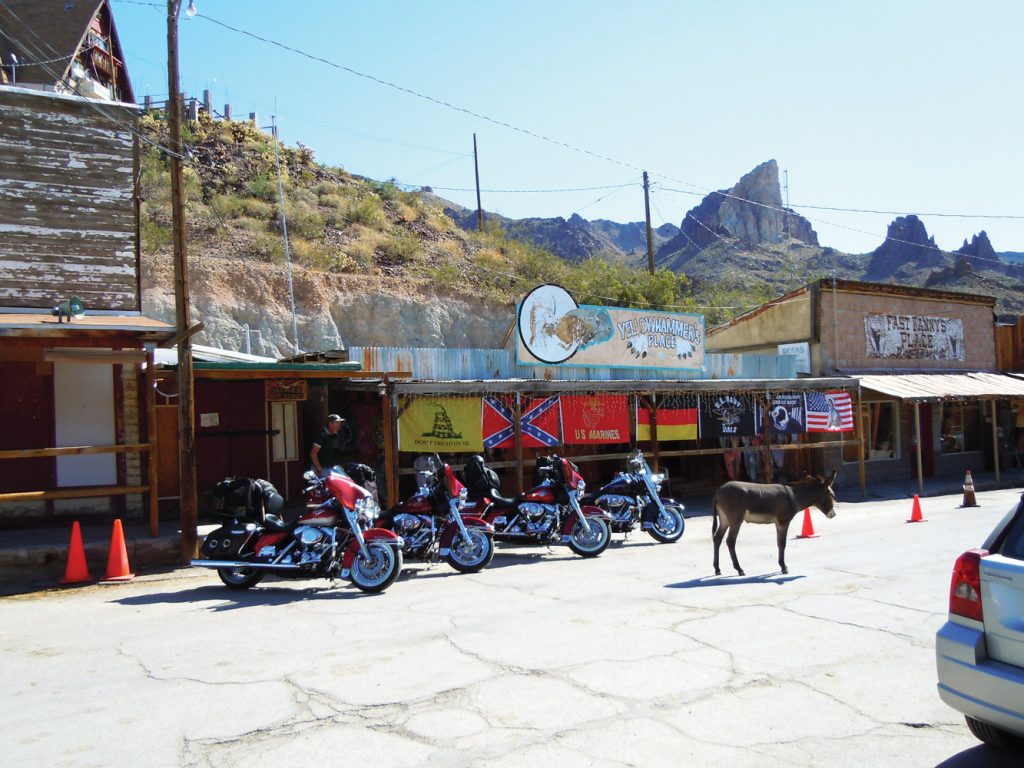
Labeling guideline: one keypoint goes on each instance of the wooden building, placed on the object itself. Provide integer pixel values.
(933, 400)
(78, 406)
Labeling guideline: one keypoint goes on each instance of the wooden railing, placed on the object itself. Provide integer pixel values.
(90, 491)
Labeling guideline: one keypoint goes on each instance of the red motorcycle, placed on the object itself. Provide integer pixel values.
(432, 523)
(330, 540)
(549, 513)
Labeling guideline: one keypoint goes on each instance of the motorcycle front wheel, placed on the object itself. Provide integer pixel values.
(592, 543)
(667, 527)
(377, 572)
(471, 553)
(240, 578)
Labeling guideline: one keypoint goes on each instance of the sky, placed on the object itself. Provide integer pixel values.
(896, 107)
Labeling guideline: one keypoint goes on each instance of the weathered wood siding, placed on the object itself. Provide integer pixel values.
(67, 202)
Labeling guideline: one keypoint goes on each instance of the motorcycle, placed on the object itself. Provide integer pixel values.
(549, 513)
(432, 523)
(333, 539)
(634, 497)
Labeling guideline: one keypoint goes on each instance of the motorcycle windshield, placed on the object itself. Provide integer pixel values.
(344, 488)
(454, 486)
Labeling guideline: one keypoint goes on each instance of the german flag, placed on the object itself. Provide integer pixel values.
(675, 422)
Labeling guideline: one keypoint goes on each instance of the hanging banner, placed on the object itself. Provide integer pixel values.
(555, 330)
(829, 412)
(592, 419)
(542, 423)
(785, 415)
(727, 416)
(498, 423)
(677, 420)
(443, 424)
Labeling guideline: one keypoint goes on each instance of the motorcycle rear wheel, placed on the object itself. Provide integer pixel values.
(472, 554)
(593, 543)
(380, 570)
(240, 578)
(667, 527)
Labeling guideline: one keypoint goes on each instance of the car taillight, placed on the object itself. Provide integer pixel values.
(965, 588)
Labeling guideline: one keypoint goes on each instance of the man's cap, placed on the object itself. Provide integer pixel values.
(334, 417)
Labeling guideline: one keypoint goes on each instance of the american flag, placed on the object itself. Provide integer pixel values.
(829, 412)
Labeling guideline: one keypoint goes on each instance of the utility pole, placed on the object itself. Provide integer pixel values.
(186, 423)
(476, 171)
(650, 233)
(785, 175)
(284, 231)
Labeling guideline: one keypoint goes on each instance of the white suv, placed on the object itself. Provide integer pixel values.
(980, 649)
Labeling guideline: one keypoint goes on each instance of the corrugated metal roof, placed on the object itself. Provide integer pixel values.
(933, 387)
(483, 364)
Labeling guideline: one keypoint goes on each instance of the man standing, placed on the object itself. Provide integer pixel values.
(326, 451)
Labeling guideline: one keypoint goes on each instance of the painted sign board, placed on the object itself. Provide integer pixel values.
(914, 337)
(555, 330)
(801, 350)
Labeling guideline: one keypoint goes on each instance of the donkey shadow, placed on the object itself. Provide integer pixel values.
(776, 578)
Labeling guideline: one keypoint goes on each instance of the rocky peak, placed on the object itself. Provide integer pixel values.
(979, 248)
(906, 243)
(751, 210)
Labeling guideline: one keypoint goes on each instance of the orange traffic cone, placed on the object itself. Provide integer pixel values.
(808, 530)
(915, 514)
(970, 500)
(77, 570)
(117, 563)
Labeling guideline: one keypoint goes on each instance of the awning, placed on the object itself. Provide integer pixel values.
(936, 387)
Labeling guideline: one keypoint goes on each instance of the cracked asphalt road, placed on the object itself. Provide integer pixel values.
(637, 658)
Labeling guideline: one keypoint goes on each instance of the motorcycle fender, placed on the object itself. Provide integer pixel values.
(451, 529)
(587, 510)
(370, 534)
(651, 511)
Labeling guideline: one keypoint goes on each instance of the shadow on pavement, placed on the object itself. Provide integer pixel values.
(983, 757)
(715, 581)
(262, 595)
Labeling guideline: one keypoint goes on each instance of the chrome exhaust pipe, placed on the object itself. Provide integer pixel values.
(239, 564)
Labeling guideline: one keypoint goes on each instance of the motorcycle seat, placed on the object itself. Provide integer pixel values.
(501, 501)
(277, 523)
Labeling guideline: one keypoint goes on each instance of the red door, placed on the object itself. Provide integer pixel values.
(231, 431)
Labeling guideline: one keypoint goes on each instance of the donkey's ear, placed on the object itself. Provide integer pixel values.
(832, 477)
(804, 474)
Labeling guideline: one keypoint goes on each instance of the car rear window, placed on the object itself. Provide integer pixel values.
(1012, 542)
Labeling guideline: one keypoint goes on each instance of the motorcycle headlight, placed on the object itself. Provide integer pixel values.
(367, 509)
(581, 486)
(463, 495)
(658, 479)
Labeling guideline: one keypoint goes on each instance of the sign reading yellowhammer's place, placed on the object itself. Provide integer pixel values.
(555, 330)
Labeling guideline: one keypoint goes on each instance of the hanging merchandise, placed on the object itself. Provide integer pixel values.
(785, 414)
(829, 412)
(595, 419)
(727, 415)
(677, 419)
(442, 424)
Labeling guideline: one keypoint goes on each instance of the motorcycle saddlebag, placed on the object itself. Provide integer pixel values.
(246, 498)
(227, 541)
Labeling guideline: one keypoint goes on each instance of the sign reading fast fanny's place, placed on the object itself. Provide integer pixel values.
(555, 330)
(914, 337)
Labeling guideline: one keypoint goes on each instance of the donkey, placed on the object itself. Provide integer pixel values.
(736, 502)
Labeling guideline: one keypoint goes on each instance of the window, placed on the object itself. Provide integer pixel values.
(961, 427)
(879, 423)
(282, 421)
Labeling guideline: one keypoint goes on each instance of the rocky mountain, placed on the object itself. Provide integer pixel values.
(574, 239)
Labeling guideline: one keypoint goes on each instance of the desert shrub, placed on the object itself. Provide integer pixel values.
(402, 248)
(268, 247)
(305, 221)
(227, 206)
(258, 209)
(155, 236)
(249, 224)
(367, 211)
(262, 186)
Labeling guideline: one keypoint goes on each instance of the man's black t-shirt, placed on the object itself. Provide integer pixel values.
(330, 448)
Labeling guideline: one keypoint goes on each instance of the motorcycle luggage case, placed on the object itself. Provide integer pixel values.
(227, 541)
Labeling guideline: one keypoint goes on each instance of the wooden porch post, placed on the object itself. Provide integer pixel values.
(390, 455)
(917, 435)
(517, 416)
(654, 431)
(995, 439)
(858, 425)
(152, 458)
